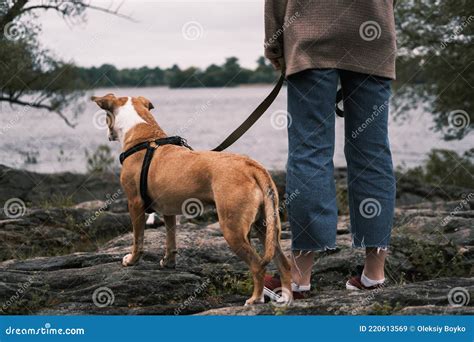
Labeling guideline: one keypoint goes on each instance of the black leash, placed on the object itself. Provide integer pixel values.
(261, 109)
(150, 147)
(256, 114)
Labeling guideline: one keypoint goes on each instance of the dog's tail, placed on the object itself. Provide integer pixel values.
(272, 218)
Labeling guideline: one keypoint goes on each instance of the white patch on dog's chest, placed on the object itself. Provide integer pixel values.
(126, 118)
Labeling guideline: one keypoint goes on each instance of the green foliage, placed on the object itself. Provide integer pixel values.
(30, 75)
(226, 75)
(429, 260)
(100, 160)
(230, 283)
(342, 199)
(435, 64)
(385, 308)
(445, 167)
(57, 201)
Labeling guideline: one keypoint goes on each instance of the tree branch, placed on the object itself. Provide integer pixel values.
(64, 9)
(114, 12)
(12, 13)
(39, 106)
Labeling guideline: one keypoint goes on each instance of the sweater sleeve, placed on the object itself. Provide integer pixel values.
(274, 21)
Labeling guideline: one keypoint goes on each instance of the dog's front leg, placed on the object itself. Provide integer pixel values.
(169, 259)
(137, 215)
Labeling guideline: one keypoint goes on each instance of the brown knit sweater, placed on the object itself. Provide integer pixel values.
(356, 35)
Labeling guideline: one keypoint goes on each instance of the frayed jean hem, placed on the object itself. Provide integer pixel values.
(318, 249)
(379, 248)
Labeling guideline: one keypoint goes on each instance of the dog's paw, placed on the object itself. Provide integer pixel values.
(253, 301)
(127, 260)
(166, 263)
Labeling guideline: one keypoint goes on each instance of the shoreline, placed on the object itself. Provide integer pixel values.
(35, 187)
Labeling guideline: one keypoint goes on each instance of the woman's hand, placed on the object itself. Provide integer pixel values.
(278, 63)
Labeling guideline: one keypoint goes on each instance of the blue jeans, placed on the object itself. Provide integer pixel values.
(311, 191)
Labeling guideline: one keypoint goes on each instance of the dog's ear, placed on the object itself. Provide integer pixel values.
(106, 102)
(147, 103)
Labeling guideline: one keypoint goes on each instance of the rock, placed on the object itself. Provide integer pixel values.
(35, 188)
(210, 279)
(423, 298)
(59, 231)
(65, 284)
(91, 205)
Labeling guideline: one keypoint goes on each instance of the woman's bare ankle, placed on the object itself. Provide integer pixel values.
(375, 263)
(301, 267)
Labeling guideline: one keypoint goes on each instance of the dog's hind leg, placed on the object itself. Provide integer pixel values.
(169, 260)
(137, 214)
(242, 247)
(281, 261)
(235, 223)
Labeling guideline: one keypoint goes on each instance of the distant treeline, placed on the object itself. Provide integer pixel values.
(228, 74)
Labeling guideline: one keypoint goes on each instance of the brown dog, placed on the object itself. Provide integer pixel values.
(241, 189)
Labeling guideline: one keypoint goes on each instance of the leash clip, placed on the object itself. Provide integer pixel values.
(184, 143)
(153, 145)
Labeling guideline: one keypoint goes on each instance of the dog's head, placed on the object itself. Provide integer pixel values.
(123, 113)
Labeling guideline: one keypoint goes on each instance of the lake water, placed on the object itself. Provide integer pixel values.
(40, 141)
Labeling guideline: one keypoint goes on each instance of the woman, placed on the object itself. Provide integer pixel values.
(323, 43)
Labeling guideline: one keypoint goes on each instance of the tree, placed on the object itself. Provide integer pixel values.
(29, 75)
(436, 61)
(264, 72)
(232, 72)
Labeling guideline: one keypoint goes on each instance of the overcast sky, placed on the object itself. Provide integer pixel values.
(186, 33)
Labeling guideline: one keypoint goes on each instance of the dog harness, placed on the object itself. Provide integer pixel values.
(150, 147)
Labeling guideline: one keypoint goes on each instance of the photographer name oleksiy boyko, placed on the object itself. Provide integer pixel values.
(441, 329)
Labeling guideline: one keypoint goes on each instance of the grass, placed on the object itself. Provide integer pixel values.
(56, 201)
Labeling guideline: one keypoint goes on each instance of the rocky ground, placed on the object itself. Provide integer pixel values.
(62, 256)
